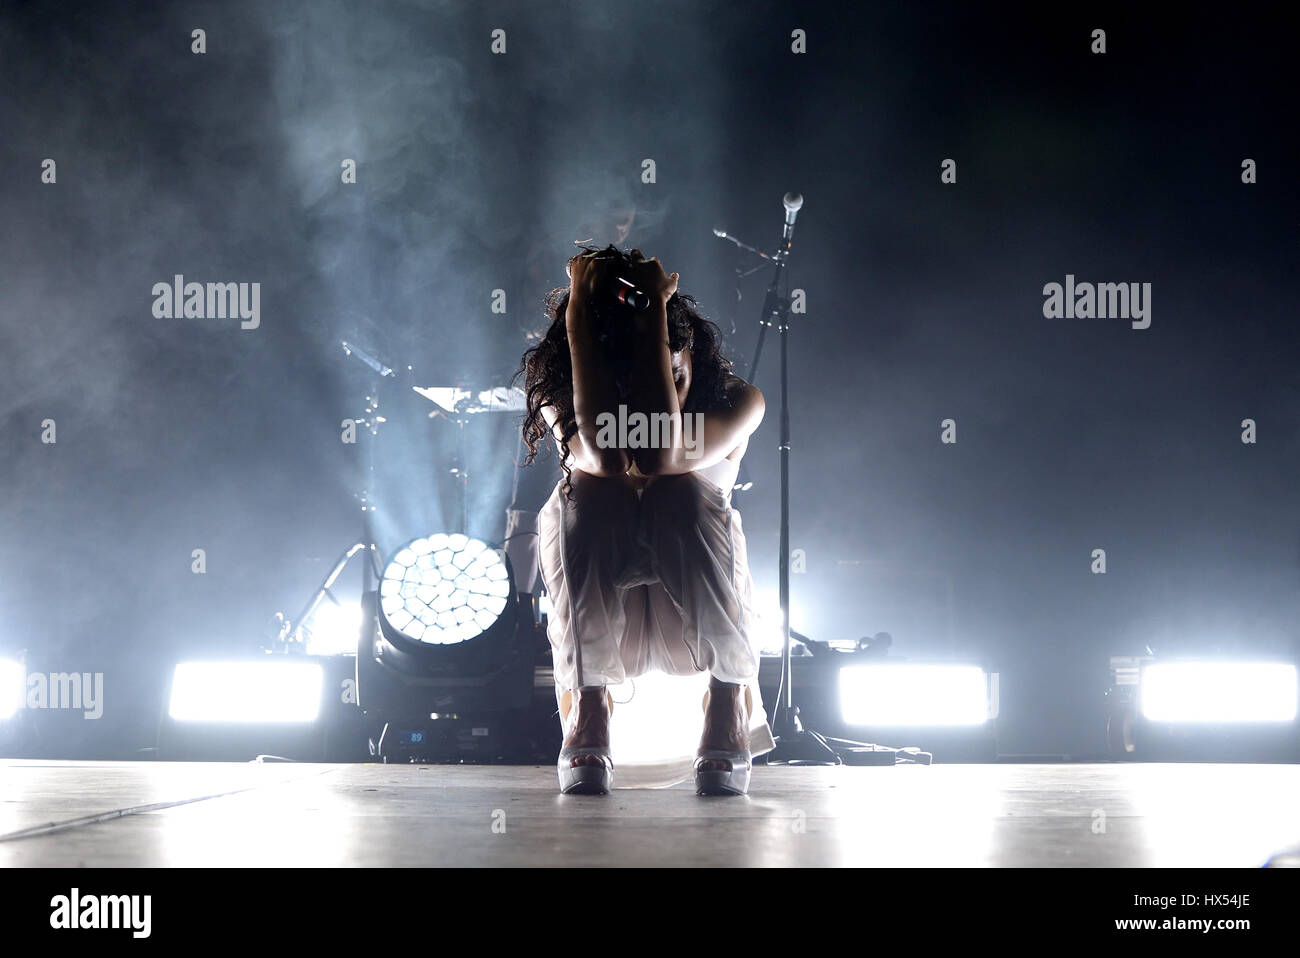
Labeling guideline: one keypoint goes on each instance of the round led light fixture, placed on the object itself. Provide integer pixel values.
(444, 589)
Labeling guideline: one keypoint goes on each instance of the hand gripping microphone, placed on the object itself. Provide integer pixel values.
(629, 295)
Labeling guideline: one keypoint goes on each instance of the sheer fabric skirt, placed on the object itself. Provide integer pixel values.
(651, 593)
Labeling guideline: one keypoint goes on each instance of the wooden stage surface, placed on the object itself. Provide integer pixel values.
(182, 814)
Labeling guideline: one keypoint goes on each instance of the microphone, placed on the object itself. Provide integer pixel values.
(793, 203)
(629, 295)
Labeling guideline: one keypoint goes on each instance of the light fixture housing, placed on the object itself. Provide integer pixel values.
(293, 706)
(911, 695)
(1218, 692)
(444, 635)
(269, 691)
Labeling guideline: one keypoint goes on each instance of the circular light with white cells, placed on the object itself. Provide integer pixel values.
(444, 589)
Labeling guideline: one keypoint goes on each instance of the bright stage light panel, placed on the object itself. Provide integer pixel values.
(913, 695)
(13, 680)
(269, 692)
(334, 629)
(444, 589)
(1218, 692)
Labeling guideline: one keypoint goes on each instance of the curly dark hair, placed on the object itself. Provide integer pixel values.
(547, 368)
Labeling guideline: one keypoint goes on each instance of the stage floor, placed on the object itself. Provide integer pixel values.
(122, 814)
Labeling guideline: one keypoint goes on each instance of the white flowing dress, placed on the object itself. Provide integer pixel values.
(641, 607)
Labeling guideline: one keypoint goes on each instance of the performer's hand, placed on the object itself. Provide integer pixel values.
(594, 275)
(590, 276)
(649, 277)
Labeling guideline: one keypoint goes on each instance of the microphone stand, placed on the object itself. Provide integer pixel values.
(795, 745)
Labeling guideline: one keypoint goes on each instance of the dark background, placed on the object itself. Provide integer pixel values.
(476, 172)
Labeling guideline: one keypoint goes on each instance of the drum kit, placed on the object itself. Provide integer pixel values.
(461, 405)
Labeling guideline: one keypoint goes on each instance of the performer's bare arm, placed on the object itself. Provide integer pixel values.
(724, 435)
(654, 385)
(654, 389)
(594, 390)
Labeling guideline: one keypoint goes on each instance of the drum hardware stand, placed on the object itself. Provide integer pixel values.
(460, 464)
(291, 631)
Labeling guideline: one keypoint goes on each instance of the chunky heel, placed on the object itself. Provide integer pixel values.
(585, 779)
(734, 779)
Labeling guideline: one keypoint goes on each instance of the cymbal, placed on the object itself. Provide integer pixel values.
(457, 399)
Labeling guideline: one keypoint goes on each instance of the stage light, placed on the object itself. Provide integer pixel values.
(768, 638)
(444, 589)
(914, 696)
(333, 629)
(13, 678)
(450, 640)
(272, 691)
(1218, 692)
